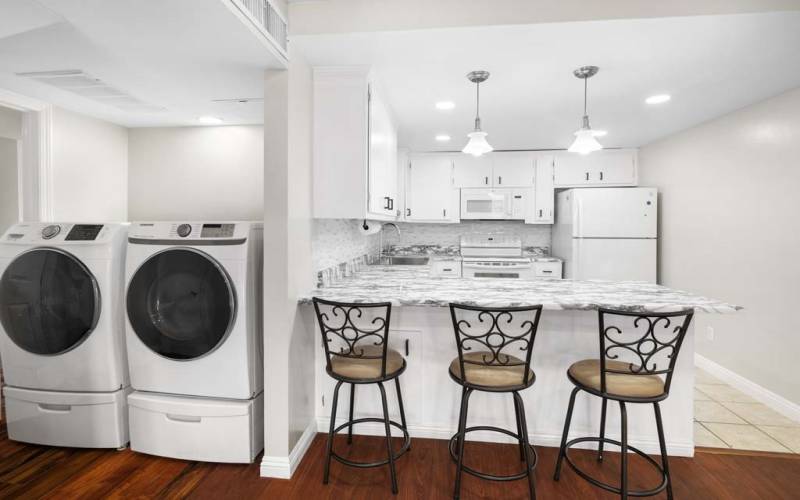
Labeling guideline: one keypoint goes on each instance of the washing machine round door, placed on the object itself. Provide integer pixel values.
(49, 301)
(181, 303)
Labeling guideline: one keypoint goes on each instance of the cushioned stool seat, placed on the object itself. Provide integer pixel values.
(500, 376)
(367, 367)
(587, 373)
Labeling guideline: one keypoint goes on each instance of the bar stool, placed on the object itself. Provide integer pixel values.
(486, 339)
(356, 340)
(648, 341)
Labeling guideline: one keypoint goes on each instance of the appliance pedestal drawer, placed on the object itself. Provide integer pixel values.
(72, 419)
(197, 428)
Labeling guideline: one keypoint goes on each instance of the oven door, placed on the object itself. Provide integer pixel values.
(494, 270)
(485, 204)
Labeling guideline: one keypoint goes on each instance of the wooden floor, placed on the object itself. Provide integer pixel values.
(426, 472)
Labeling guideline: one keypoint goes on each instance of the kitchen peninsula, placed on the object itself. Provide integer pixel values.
(422, 331)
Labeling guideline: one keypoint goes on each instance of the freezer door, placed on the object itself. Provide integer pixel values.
(614, 259)
(615, 213)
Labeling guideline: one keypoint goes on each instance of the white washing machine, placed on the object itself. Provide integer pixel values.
(62, 337)
(194, 340)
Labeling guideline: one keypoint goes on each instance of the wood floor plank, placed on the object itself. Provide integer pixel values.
(426, 473)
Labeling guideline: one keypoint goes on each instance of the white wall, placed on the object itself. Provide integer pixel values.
(729, 209)
(10, 123)
(209, 173)
(90, 169)
(9, 184)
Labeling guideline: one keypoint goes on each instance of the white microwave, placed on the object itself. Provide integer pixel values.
(494, 204)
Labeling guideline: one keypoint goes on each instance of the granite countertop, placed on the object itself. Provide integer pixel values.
(413, 286)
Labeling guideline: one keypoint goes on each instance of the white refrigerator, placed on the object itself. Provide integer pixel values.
(607, 233)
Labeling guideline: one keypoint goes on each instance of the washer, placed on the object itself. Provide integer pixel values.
(62, 333)
(194, 324)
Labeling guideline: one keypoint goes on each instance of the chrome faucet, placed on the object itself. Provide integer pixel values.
(383, 226)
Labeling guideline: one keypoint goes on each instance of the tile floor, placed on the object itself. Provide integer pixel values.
(727, 418)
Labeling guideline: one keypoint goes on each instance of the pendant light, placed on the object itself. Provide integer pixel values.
(585, 141)
(477, 144)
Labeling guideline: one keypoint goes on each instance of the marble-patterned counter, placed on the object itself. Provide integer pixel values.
(413, 286)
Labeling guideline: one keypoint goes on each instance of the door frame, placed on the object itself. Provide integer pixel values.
(34, 164)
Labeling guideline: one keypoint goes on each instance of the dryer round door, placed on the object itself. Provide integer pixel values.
(49, 301)
(181, 303)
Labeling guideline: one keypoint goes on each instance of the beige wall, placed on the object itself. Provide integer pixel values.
(344, 16)
(729, 219)
(199, 173)
(90, 169)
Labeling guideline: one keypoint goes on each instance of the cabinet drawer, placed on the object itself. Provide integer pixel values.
(547, 269)
(446, 269)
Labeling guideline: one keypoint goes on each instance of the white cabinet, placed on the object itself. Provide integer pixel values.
(500, 169)
(544, 191)
(609, 167)
(547, 269)
(355, 147)
(513, 169)
(430, 195)
(471, 171)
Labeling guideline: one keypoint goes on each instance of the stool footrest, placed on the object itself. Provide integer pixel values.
(491, 477)
(615, 489)
(365, 465)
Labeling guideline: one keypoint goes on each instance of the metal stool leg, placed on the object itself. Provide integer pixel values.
(330, 434)
(523, 424)
(462, 424)
(602, 430)
(352, 401)
(400, 404)
(519, 430)
(623, 451)
(563, 450)
(388, 437)
(663, 444)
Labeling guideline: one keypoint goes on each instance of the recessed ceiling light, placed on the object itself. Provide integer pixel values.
(445, 105)
(210, 120)
(599, 133)
(658, 99)
(442, 137)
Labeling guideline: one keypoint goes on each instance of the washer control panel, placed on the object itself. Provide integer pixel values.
(84, 232)
(184, 230)
(51, 231)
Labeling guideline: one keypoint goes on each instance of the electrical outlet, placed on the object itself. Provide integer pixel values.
(709, 333)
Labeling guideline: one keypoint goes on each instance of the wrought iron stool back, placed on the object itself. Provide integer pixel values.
(504, 336)
(648, 343)
(356, 331)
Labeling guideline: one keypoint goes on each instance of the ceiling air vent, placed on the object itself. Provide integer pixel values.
(79, 82)
(267, 20)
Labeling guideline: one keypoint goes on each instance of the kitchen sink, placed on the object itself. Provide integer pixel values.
(406, 260)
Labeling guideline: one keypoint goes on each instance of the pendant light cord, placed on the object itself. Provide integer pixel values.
(478, 106)
(585, 86)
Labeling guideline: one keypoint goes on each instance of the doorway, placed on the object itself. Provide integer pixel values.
(10, 147)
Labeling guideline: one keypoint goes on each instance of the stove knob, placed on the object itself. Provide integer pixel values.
(184, 230)
(50, 232)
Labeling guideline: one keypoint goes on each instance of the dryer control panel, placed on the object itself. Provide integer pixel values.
(190, 233)
(46, 233)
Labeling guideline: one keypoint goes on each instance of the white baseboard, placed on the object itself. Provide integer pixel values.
(284, 467)
(539, 439)
(755, 391)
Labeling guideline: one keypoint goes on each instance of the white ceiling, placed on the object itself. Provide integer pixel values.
(178, 55)
(711, 65)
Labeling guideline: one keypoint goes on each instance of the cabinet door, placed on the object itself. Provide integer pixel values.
(606, 167)
(472, 172)
(616, 167)
(572, 169)
(382, 158)
(429, 188)
(513, 169)
(544, 199)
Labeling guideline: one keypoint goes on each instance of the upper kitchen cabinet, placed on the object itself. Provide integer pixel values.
(430, 193)
(499, 169)
(609, 167)
(544, 191)
(355, 147)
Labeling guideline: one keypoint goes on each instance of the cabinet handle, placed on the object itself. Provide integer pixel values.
(447, 269)
(408, 212)
(486, 180)
(499, 179)
(540, 213)
(601, 176)
(391, 203)
(547, 272)
(587, 176)
(407, 348)
(386, 205)
(444, 213)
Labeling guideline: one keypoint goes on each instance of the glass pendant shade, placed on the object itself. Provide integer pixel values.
(584, 142)
(477, 144)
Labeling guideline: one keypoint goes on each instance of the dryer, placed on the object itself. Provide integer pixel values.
(62, 334)
(195, 348)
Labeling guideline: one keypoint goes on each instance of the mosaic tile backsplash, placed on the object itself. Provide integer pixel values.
(449, 234)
